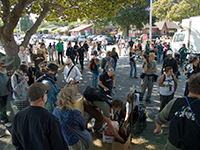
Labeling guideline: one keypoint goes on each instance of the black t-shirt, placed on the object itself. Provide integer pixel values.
(170, 62)
(132, 56)
(81, 51)
(106, 80)
(34, 128)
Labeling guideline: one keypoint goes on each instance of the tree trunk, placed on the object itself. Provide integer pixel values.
(126, 32)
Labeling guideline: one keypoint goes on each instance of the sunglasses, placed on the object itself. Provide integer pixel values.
(3, 66)
(67, 64)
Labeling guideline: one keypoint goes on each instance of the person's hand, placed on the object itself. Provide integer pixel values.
(187, 72)
(145, 60)
(121, 140)
(106, 89)
(74, 80)
(157, 131)
(113, 87)
(25, 79)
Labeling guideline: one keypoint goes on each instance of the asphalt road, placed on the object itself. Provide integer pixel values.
(123, 85)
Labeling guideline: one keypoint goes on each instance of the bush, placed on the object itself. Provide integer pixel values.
(45, 31)
(171, 32)
(54, 28)
(39, 31)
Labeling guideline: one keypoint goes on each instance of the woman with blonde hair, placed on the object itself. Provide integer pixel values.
(69, 117)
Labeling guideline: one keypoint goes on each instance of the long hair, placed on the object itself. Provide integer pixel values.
(66, 98)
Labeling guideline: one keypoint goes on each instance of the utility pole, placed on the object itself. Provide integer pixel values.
(150, 22)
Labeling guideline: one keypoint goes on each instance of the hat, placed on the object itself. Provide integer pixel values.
(95, 52)
(37, 90)
(23, 68)
(152, 54)
(169, 52)
(52, 67)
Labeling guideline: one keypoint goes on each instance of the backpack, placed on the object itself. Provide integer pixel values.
(9, 85)
(92, 65)
(165, 77)
(109, 64)
(92, 93)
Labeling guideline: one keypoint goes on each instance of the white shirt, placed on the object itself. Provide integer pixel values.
(166, 91)
(74, 74)
(23, 58)
(129, 105)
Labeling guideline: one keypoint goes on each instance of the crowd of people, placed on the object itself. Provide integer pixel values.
(47, 114)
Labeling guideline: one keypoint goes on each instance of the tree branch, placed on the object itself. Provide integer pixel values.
(34, 28)
(6, 10)
(57, 6)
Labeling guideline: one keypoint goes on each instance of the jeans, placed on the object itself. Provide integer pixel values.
(115, 65)
(60, 54)
(51, 57)
(3, 103)
(94, 80)
(133, 65)
(81, 62)
(160, 58)
(182, 59)
(186, 89)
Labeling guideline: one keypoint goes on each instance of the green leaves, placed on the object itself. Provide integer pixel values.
(176, 10)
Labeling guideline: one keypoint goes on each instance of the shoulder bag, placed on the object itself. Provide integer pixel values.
(84, 135)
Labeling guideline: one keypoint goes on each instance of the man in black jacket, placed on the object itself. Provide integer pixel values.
(81, 51)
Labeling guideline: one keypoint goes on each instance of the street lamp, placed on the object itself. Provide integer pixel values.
(150, 22)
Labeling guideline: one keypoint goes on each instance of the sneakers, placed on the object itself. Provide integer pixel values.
(136, 77)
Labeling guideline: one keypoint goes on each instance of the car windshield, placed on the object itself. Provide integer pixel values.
(179, 38)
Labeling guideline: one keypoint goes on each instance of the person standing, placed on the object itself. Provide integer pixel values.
(133, 62)
(170, 62)
(130, 43)
(81, 51)
(149, 68)
(23, 55)
(49, 77)
(34, 128)
(95, 72)
(70, 53)
(67, 114)
(183, 54)
(99, 48)
(115, 56)
(54, 51)
(3, 95)
(76, 52)
(44, 51)
(160, 54)
(107, 62)
(38, 58)
(147, 47)
(59, 48)
(168, 86)
(85, 45)
(19, 82)
(120, 46)
(183, 114)
(50, 51)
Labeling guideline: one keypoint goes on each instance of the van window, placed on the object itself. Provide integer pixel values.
(179, 38)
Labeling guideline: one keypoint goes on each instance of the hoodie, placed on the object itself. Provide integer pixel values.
(19, 86)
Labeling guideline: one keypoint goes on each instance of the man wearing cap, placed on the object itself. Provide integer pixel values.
(149, 68)
(49, 77)
(34, 128)
(95, 72)
(19, 84)
(169, 61)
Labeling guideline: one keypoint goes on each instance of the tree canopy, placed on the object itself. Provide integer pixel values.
(26, 23)
(176, 10)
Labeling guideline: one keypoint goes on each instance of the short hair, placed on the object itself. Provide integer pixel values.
(132, 96)
(66, 98)
(117, 103)
(69, 60)
(194, 84)
(2, 63)
(168, 69)
(109, 53)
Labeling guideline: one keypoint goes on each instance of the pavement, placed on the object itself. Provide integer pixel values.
(124, 84)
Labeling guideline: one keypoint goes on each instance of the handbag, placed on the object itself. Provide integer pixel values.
(84, 135)
(142, 75)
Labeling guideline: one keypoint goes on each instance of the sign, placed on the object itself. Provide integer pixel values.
(86, 32)
(144, 37)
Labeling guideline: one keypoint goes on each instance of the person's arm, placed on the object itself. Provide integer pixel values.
(160, 82)
(78, 74)
(163, 116)
(17, 86)
(110, 126)
(145, 66)
(152, 71)
(175, 83)
(101, 85)
(103, 63)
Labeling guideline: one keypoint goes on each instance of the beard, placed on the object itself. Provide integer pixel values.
(3, 71)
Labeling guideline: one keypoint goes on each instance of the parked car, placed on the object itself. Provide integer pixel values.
(110, 41)
(73, 39)
(81, 38)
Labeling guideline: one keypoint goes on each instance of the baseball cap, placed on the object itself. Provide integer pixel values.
(23, 68)
(169, 52)
(37, 90)
(95, 52)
